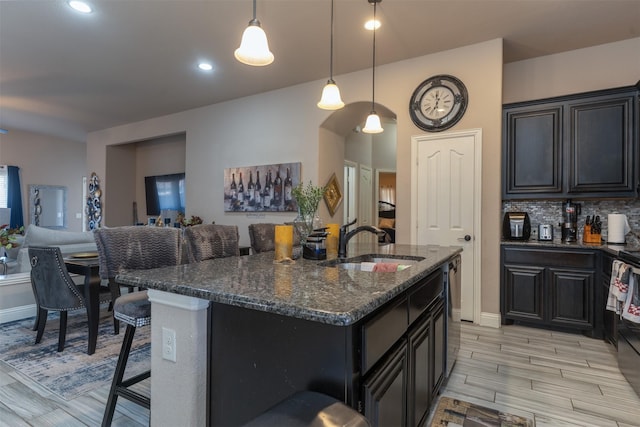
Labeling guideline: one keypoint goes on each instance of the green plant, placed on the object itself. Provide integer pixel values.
(7, 236)
(308, 197)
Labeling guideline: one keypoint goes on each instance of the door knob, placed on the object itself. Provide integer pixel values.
(466, 238)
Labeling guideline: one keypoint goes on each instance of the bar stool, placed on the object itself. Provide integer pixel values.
(208, 241)
(134, 309)
(310, 409)
(132, 248)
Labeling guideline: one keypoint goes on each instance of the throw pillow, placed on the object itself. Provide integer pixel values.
(386, 223)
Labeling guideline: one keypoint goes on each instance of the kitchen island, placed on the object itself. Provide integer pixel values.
(249, 333)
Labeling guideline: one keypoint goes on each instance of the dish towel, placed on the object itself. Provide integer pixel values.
(631, 309)
(619, 286)
(385, 267)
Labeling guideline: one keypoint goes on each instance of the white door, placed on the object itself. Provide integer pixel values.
(447, 205)
(349, 210)
(365, 207)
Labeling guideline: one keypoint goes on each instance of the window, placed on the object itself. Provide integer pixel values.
(4, 182)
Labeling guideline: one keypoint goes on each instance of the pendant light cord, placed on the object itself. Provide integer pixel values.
(254, 10)
(373, 80)
(331, 48)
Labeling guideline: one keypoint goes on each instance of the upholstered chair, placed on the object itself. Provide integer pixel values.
(133, 248)
(262, 237)
(54, 289)
(206, 241)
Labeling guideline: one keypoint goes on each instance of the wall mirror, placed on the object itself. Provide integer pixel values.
(48, 206)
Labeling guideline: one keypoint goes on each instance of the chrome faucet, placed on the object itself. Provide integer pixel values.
(345, 236)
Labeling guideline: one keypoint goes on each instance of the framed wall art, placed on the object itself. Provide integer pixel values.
(265, 188)
(332, 194)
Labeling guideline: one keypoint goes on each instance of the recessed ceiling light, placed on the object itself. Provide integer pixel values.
(205, 66)
(80, 6)
(369, 25)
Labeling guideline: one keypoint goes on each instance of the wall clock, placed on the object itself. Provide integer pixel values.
(438, 103)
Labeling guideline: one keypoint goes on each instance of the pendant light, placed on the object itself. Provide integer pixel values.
(330, 99)
(254, 48)
(372, 124)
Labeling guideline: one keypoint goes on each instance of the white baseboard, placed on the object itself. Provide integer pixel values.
(491, 320)
(17, 313)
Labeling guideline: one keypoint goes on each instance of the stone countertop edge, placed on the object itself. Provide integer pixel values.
(303, 289)
(610, 248)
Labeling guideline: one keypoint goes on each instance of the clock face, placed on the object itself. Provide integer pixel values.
(438, 103)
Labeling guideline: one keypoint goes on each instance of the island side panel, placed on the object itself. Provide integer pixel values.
(258, 359)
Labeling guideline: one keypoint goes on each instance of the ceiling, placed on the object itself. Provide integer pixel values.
(65, 74)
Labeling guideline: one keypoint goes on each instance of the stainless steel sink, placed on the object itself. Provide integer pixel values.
(368, 262)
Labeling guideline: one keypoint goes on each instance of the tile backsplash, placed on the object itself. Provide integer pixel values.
(550, 212)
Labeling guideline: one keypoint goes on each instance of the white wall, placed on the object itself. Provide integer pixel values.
(47, 160)
(599, 67)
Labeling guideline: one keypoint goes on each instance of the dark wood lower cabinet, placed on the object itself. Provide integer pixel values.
(385, 391)
(551, 287)
(389, 366)
(400, 391)
(522, 292)
(439, 347)
(571, 297)
(420, 387)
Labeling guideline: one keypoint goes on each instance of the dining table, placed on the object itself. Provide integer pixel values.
(88, 266)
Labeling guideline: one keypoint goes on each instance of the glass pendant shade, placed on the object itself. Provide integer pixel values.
(254, 48)
(372, 124)
(330, 99)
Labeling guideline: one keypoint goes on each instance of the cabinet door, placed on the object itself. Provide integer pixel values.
(571, 297)
(439, 347)
(600, 144)
(419, 397)
(532, 151)
(384, 391)
(522, 289)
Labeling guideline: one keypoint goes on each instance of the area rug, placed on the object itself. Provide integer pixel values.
(71, 372)
(458, 413)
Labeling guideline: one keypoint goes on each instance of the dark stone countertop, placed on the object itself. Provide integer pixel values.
(612, 249)
(303, 289)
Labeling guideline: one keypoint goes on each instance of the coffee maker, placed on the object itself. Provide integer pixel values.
(569, 224)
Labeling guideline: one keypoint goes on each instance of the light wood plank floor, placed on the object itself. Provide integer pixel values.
(557, 379)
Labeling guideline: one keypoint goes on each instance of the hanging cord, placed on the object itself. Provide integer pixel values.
(331, 48)
(373, 81)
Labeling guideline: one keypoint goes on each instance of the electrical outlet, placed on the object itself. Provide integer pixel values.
(169, 344)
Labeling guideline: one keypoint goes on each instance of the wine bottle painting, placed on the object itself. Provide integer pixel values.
(265, 188)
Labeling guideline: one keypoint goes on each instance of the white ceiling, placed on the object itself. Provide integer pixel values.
(66, 74)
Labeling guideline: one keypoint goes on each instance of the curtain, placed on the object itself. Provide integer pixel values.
(14, 197)
(388, 194)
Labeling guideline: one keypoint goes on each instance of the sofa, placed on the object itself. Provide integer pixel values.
(68, 241)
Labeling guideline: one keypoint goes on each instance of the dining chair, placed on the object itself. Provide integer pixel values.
(54, 289)
(263, 237)
(207, 241)
(133, 248)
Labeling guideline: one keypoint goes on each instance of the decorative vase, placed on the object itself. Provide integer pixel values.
(304, 224)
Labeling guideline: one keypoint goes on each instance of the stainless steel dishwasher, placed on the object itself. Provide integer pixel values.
(453, 312)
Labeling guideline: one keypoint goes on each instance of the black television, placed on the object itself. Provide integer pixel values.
(164, 192)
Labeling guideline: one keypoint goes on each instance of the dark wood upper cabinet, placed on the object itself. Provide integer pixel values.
(601, 142)
(577, 146)
(533, 152)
